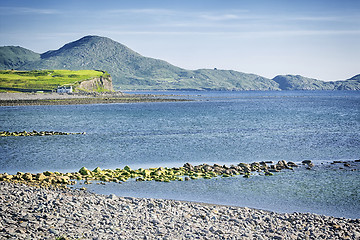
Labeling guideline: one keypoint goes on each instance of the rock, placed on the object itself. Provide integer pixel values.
(127, 168)
(155, 221)
(53, 231)
(308, 162)
(356, 235)
(112, 197)
(219, 232)
(188, 166)
(40, 177)
(27, 176)
(212, 229)
(47, 173)
(282, 165)
(292, 164)
(84, 171)
(161, 231)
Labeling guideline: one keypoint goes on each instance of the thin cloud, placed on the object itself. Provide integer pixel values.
(222, 17)
(25, 10)
(247, 34)
(152, 11)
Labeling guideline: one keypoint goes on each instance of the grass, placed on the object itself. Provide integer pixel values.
(44, 80)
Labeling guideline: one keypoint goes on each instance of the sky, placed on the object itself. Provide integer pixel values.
(313, 38)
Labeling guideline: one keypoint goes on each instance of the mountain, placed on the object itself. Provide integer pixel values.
(12, 57)
(350, 84)
(130, 70)
(297, 82)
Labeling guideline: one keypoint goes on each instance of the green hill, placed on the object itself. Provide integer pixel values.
(130, 70)
(12, 57)
(297, 82)
(350, 84)
(292, 82)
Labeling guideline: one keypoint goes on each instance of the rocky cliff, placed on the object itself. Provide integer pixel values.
(101, 84)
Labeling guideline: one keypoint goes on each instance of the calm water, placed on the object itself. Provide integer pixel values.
(218, 127)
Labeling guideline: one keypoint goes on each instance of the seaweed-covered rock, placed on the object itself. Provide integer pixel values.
(188, 166)
(97, 170)
(84, 171)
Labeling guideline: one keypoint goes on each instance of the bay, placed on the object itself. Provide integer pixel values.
(216, 127)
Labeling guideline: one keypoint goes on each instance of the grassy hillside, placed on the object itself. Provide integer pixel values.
(44, 80)
(297, 82)
(205, 79)
(12, 57)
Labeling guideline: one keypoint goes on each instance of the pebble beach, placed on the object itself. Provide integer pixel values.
(55, 213)
(24, 99)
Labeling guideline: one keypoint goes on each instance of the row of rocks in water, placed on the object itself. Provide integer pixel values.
(34, 133)
(39, 213)
(187, 172)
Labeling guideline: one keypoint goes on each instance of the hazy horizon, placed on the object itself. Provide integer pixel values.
(313, 39)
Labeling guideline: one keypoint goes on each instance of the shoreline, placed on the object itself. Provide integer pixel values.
(48, 213)
(26, 99)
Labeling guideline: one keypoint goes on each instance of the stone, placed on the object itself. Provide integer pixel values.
(127, 168)
(86, 215)
(155, 221)
(27, 176)
(161, 231)
(40, 177)
(47, 173)
(84, 171)
(292, 164)
(112, 197)
(308, 162)
(188, 166)
(53, 231)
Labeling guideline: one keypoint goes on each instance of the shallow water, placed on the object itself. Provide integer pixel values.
(218, 127)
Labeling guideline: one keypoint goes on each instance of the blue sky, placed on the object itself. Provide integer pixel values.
(313, 38)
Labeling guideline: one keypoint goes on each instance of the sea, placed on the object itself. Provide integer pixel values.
(221, 127)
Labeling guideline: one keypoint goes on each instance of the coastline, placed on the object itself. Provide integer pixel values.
(49, 213)
(23, 99)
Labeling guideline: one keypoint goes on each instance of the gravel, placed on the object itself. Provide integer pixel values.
(48, 213)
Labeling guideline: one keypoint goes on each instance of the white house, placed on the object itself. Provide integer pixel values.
(64, 89)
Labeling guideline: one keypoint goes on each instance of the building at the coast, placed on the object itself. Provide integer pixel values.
(64, 89)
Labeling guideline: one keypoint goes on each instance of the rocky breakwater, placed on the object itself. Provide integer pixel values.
(35, 133)
(185, 173)
(39, 213)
